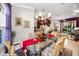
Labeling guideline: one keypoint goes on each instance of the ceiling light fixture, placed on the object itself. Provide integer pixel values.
(42, 15)
(74, 6)
(76, 11)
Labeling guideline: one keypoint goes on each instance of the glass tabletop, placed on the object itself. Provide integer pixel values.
(36, 49)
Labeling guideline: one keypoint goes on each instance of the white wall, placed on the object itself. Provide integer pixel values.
(2, 27)
(2, 20)
(25, 14)
(2, 15)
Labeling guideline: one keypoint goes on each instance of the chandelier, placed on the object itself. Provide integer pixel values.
(42, 15)
(43, 20)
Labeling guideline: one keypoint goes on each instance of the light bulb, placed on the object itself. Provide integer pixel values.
(42, 18)
(36, 16)
(49, 14)
(40, 13)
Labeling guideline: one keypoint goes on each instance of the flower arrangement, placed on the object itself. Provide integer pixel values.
(39, 35)
(50, 31)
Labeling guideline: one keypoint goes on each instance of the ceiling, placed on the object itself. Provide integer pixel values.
(58, 10)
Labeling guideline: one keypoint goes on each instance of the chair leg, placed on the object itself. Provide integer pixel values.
(25, 52)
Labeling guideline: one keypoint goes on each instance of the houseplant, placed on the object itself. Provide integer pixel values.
(13, 34)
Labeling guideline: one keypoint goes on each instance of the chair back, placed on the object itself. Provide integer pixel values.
(11, 49)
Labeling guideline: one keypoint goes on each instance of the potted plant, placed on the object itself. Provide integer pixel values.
(13, 36)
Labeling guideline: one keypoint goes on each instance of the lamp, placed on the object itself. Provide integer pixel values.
(43, 20)
(42, 16)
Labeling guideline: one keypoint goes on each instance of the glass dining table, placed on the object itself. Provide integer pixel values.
(37, 49)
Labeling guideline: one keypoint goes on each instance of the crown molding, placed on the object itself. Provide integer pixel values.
(22, 6)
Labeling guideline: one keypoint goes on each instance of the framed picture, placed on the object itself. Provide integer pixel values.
(18, 21)
(26, 24)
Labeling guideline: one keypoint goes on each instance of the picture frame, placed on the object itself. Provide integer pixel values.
(26, 24)
(18, 21)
